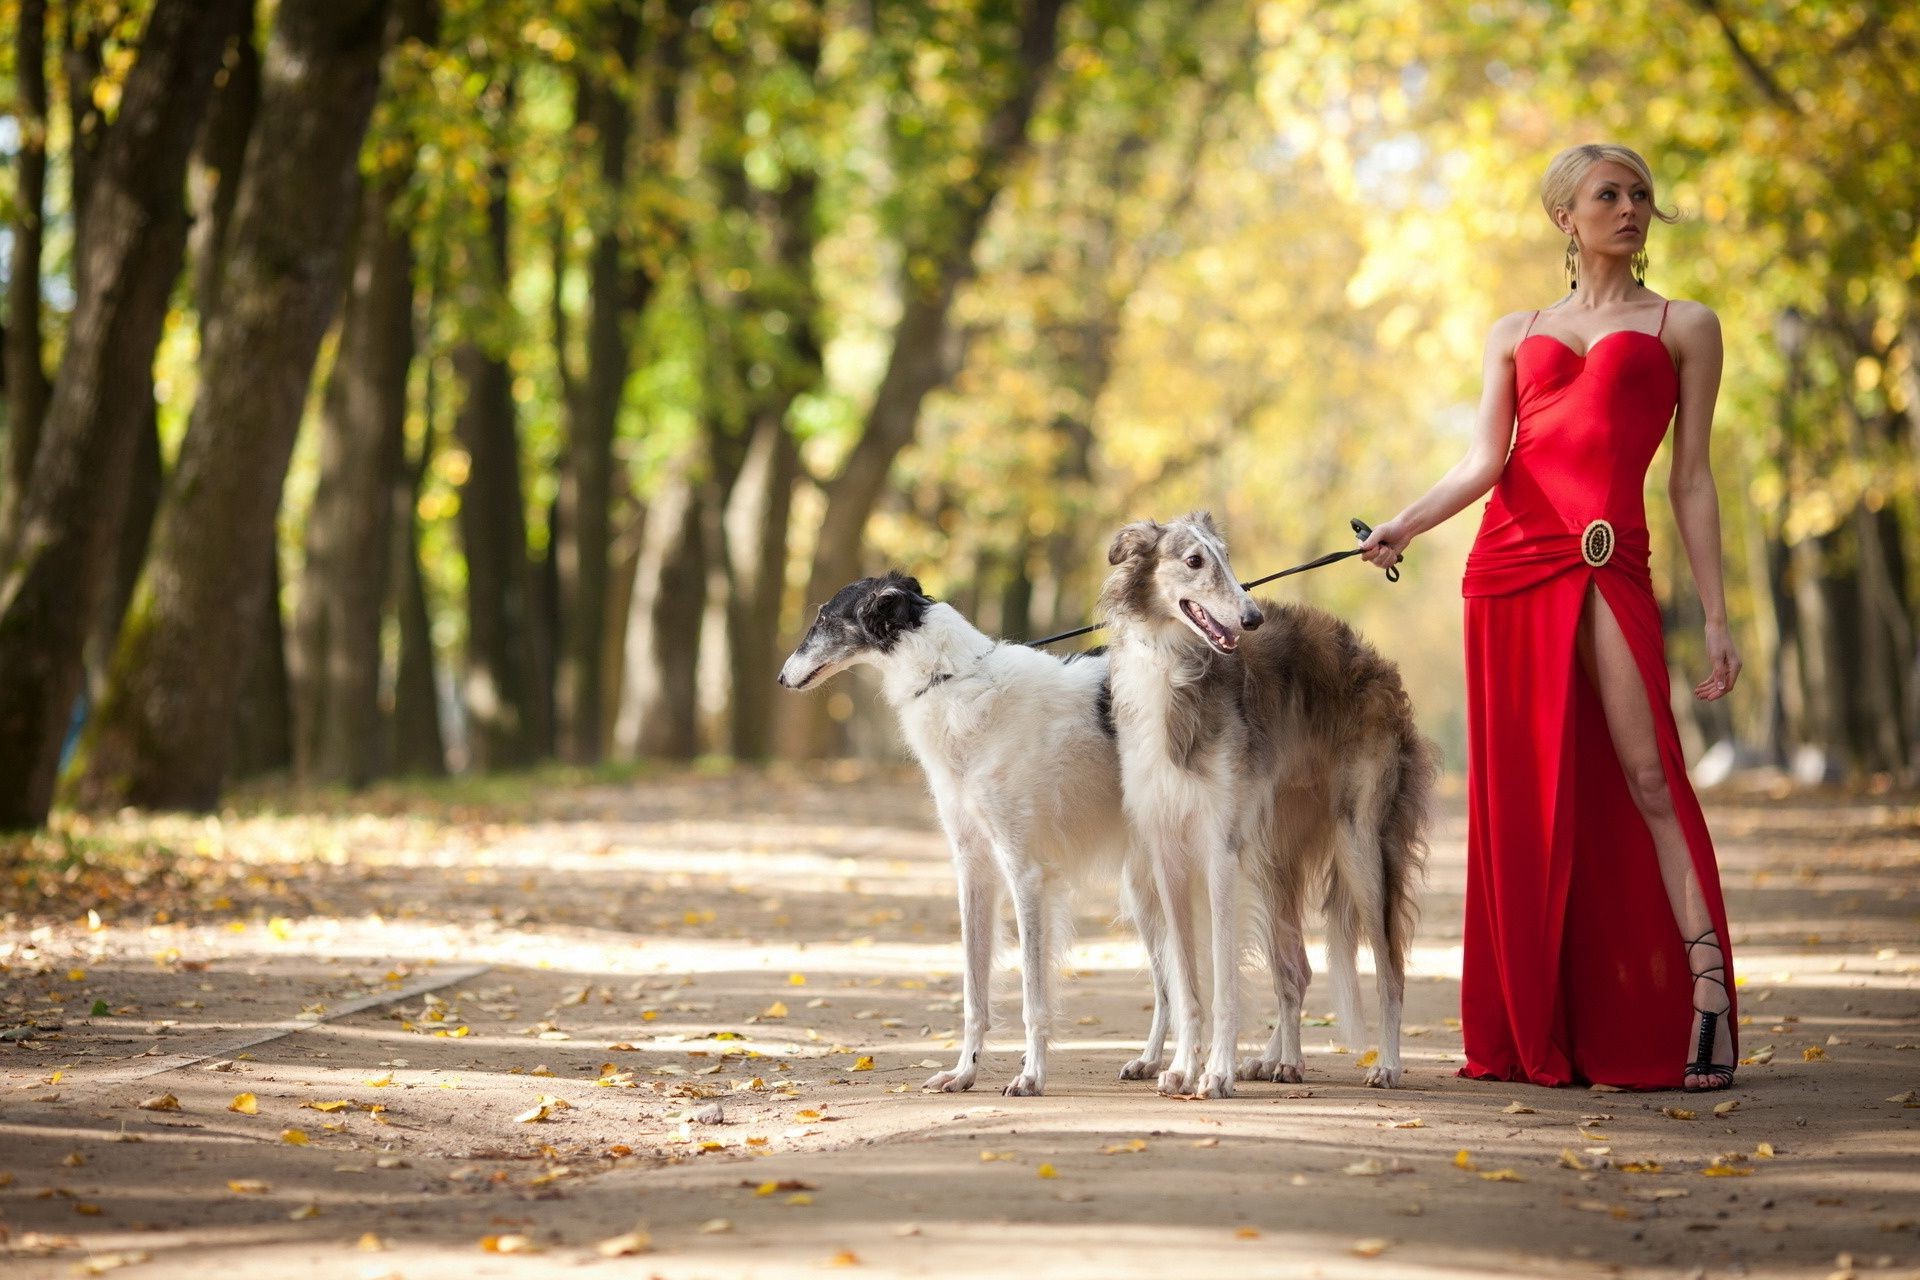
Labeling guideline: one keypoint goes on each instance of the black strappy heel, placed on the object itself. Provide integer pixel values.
(1703, 1063)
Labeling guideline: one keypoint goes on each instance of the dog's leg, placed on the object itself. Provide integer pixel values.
(1389, 964)
(1143, 905)
(1283, 1060)
(1036, 970)
(979, 905)
(1173, 874)
(1223, 907)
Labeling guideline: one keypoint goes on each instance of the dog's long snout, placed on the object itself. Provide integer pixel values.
(782, 678)
(1251, 617)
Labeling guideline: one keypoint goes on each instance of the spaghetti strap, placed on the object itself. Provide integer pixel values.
(1663, 317)
(1535, 316)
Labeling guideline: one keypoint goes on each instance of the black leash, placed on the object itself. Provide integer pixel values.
(1361, 530)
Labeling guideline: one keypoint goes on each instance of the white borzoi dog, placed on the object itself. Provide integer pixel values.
(1265, 748)
(1018, 748)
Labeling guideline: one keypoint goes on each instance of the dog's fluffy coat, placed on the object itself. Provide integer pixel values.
(1018, 749)
(1265, 749)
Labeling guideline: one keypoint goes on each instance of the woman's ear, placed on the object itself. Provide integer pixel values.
(1134, 539)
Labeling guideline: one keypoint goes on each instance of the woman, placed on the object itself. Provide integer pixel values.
(1595, 934)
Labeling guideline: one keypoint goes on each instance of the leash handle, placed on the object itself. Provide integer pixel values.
(1361, 530)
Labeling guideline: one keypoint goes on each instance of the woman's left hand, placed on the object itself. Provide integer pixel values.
(1726, 664)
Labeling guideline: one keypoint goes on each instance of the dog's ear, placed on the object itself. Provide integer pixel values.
(891, 609)
(905, 583)
(1135, 539)
(1205, 520)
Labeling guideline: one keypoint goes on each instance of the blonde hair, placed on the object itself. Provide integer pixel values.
(1562, 183)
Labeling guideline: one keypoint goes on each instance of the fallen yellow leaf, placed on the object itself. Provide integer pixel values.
(1502, 1175)
(1129, 1147)
(778, 1009)
(621, 1246)
(246, 1186)
(1415, 1123)
(844, 1258)
(1463, 1159)
(1246, 1233)
(508, 1244)
(381, 1081)
(1047, 1171)
(863, 1063)
(800, 1198)
(1370, 1057)
(796, 979)
(1638, 1166)
(988, 1156)
(245, 1103)
(1678, 1113)
(1720, 1170)
(1570, 1160)
(76, 975)
(161, 1102)
(1516, 1109)
(294, 1137)
(1764, 1151)
(715, 1227)
(370, 1243)
(1813, 1053)
(1725, 1108)
(1372, 1247)
(304, 1212)
(341, 1105)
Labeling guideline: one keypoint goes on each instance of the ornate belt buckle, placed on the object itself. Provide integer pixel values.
(1596, 543)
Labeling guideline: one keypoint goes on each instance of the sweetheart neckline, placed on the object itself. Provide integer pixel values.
(1591, 346)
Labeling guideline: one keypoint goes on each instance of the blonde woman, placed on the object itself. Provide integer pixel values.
(1596, 940)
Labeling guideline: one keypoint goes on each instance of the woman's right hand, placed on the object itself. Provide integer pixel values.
(1387, 544)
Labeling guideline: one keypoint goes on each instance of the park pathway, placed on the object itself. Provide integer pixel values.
(676, 1027)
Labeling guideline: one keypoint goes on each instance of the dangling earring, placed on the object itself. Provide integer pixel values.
(1573, 262)
(1640, 267)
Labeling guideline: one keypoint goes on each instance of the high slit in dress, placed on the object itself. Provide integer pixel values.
(1575, 971)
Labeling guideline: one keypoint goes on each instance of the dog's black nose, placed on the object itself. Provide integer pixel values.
(1251, 618)
(782, 678)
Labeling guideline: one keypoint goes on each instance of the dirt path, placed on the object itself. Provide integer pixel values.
(485, 1039)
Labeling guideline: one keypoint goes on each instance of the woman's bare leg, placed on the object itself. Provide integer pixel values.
(1609, 664)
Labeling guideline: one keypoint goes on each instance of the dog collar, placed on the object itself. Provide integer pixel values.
(939, 677)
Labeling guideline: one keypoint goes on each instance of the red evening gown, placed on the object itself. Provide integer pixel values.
(1575, 969)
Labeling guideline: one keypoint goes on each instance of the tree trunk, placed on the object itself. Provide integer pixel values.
(53, 568)
(416, 745)
(84, 57)
(263, 712)
(129, 554)
(26, 374)
(586, 484)
(349, 544)
(659, 705)
(163, 739)
(213, 179)
(922, 355)
(508, 715)
(757, 531)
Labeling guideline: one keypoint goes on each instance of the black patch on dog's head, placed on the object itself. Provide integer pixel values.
(876, 610)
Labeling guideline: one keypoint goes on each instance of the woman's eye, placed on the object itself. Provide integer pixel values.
(1194, 562)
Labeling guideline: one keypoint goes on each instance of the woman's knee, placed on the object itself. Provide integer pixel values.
(1648, 783)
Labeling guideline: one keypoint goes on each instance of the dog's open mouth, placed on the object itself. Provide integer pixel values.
(1217, 636)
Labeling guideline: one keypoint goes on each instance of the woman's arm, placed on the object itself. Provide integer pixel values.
(1475, 473)
(1696, 506)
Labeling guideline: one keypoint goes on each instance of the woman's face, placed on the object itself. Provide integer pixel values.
(1611, 211)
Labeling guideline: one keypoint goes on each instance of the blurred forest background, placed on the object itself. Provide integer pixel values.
(402, 386)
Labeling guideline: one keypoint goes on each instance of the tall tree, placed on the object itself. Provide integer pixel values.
(921, 350)
(604, 110)
(509, 710)
(335, 656)
(161, 739)
(26, 376)
(54, 558)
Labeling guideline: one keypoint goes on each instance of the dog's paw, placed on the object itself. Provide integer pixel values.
(1215, 1084)
(1142, 1068)
(1380, 1077)
(949, 1081)
(1268, 1069)
(1172, 1083)
(1024, 1085)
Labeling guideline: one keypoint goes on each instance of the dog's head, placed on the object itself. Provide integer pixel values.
(1178, 574)
(863, 621)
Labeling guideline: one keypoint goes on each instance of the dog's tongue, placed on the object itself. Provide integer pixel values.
(1219, 635)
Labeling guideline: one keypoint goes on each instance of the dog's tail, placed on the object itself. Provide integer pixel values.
(1343, 959)
(1403, 839)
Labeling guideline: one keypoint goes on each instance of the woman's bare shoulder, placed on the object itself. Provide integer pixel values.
(1686, 317)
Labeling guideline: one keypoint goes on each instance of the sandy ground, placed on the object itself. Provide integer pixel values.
(484, 1040)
